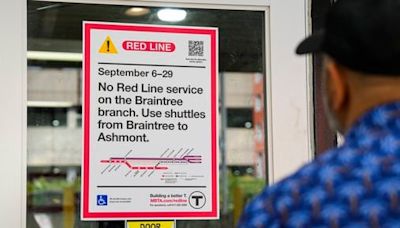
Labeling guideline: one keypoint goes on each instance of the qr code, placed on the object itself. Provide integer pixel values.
(196, 48)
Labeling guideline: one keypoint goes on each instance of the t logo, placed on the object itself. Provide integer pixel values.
(197, 200)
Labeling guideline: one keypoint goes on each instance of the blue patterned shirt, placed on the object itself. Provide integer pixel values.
(356, 185)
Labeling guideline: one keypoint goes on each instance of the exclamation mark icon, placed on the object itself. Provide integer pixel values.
(108, 47)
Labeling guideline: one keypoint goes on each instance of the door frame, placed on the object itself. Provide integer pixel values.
(289, 102)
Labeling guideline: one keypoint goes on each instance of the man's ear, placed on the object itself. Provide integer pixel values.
(337, 86)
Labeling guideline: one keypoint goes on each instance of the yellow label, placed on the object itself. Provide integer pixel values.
(150, 224)
(108, 47)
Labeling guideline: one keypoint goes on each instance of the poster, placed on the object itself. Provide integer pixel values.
(149, 122)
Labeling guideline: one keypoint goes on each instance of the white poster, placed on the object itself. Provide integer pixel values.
(150, 122)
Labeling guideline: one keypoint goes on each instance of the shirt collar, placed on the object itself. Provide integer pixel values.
(384, 117)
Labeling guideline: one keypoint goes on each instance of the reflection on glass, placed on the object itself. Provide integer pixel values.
(55, 115)
(137, 11)
(171, 15)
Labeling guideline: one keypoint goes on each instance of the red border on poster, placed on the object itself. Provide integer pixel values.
(86, 214)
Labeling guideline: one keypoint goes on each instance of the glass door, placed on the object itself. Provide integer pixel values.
(54, 112)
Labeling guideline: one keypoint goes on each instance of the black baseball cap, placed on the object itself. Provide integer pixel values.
(363, 35)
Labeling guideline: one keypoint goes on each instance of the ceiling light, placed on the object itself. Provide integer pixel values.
(171, 15)
(137, 11)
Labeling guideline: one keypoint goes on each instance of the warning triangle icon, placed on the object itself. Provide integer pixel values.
(108, 47)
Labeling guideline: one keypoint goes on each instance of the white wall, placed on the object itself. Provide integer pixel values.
(289, 95)
(240, 147)
(12, 115)
(54, 146)
(239, 89)
(230, 2)
(54, 85)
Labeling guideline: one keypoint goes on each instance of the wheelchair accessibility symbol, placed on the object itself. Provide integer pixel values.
(102, 200)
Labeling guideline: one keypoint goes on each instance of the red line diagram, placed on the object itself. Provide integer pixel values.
(168, 157)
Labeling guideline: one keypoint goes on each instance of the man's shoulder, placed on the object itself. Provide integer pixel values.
(278, 199)
(323, 169)
(343, 184)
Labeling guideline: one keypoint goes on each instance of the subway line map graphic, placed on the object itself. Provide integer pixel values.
(162, 163)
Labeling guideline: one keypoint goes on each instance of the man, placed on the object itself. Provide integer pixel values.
(357, 184)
